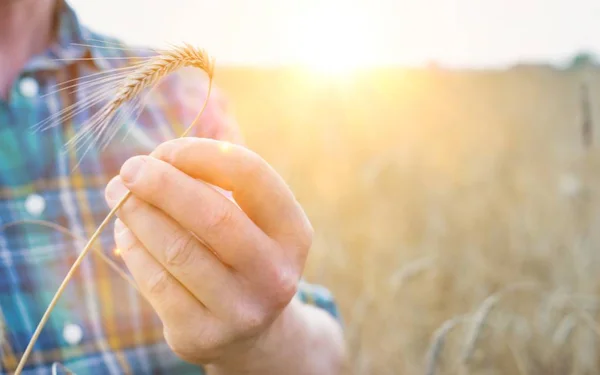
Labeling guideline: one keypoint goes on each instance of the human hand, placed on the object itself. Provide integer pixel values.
(220, 275)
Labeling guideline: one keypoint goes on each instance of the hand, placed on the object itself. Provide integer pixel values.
(220, 275)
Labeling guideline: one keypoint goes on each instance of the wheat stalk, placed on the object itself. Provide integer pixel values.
(481, 315)
(438, 340)
(520, 361)
(564, 329)
(145, 76)
(410, 270)
(66, 231)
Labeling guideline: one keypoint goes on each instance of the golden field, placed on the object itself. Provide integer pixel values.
(457, 213)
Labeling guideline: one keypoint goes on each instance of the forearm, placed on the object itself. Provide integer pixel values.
(305, 340)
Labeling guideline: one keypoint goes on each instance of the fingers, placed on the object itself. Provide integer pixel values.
(191, 249)
(167, 296)
(176, 249)
(198, 208)
(257, 188)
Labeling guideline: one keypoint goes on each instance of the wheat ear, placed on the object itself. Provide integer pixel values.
(101, 127)
(147, 75)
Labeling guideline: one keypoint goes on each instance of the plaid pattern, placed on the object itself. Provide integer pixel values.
(120, 332)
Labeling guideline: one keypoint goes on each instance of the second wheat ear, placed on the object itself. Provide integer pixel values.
(100, 126)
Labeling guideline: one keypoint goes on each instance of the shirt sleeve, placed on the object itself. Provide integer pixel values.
(320, 297)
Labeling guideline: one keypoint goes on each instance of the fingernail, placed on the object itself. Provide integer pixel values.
(168, 151)
(115, 190)
(131, 169)
(124, 237)
(164, 151)
(120, 227)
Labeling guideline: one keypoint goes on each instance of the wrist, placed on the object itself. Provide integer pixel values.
(302, 340)
(253, 356)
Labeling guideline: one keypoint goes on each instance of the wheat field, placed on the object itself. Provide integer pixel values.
(456, 212)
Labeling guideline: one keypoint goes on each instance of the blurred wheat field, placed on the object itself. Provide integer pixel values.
(437, 196)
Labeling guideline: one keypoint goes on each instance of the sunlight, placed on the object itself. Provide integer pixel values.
(224, 146)
(334, 38)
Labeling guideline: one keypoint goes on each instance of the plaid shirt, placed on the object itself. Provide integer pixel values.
(100, 325)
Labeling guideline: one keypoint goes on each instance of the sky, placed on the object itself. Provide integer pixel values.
(338, 33)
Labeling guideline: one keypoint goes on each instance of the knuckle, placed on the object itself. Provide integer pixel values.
(180, 250)
(252, 320)
(285, 286)
(160, 282)
(221, 219)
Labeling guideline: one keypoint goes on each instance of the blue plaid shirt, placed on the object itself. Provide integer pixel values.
(100, 325)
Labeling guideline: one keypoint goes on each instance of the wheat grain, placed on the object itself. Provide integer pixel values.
(146, 76)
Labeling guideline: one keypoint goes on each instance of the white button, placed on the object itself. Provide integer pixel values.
(28, 87)
(35, 204)
(72, 333)
(58, 369)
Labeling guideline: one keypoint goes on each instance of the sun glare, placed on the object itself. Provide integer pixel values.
(335, 39)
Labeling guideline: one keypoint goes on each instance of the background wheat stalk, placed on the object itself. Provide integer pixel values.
(102, 127)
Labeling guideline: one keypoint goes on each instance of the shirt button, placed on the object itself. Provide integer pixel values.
(28, 87)
(58, 369)
(72, 333)
(35, 204)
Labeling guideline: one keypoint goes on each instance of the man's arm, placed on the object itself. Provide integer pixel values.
(305, 340)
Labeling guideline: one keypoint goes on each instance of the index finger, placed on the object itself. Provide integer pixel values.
(256, 187)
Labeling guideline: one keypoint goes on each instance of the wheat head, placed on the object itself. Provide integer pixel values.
(102, 127)
(159, 66)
